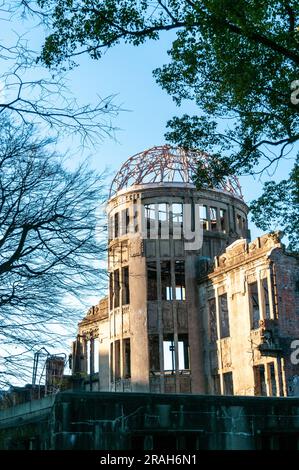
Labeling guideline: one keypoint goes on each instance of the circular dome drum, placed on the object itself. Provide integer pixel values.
(166, 164)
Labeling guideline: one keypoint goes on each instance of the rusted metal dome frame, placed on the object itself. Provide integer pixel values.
(167, 164)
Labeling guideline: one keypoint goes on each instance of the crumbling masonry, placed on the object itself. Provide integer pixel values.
(216, 318)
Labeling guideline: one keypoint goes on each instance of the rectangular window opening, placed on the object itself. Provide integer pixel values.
(96, 355)
(111, 228)
(213, 218)
(166, 287)
(180, 285)
(163, 212)
(228, 383)
(203, 214)
(177, 220)
(152, 281)
(163, 218)
(91, 356)
(88, 356)
(239, 222)
(111, 290)
(212, 320)
(177, 213)
(127, 358)
(111, 363)
(150, 211)
(222, 214)
(125, 286)
(154, 354)
(266, 297)
(216, 384)
(260, 380)
(125, 222)
(254, 305)
(117, 359)
(169, 353)
(116, 288)
(116, 225)
(183, 352)
(150, 217)
(224, 316)
(135, 218)
(273, 379)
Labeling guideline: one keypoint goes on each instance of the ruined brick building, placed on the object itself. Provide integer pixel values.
(193, 306)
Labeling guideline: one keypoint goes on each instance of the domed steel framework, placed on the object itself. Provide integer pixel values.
(166, 164)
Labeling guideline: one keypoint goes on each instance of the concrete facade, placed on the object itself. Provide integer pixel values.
(148, 322)
(250, 305)
(158, 422)
(218, 318)
(91, 349)
(160, 310)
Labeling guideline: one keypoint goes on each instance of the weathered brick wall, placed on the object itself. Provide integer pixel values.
(286, 274)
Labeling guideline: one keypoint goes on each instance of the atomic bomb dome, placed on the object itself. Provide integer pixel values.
(166, 164)
(153, 330)
(191, 302)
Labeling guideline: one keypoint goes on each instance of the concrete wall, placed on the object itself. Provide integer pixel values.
(120, 421)
(268, 344)
(164, 317)
(26, 426)
(244, 352)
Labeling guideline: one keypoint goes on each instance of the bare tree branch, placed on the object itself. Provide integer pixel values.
(48, 244)
(46, 99)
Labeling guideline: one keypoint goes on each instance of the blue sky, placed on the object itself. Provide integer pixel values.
(126, 72)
